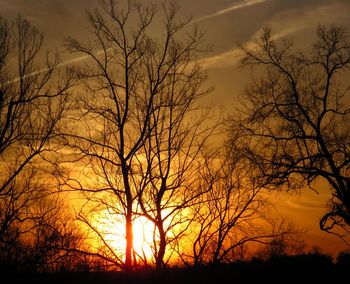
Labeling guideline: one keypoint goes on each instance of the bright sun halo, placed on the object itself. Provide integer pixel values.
(114, 235)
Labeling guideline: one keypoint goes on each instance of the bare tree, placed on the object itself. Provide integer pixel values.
(286, 240)
(55, 240)
(295, 124)
(31, 104)
(136, 85)
(233, 213)
(36, 233)
(179, 128)
(28, 112)
(16, 219)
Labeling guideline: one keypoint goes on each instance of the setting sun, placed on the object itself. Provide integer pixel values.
(143, 231)
(113, 232)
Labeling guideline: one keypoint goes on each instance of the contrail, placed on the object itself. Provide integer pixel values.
(231, 57)
(236, 6)
(72, 61)
(59, 65)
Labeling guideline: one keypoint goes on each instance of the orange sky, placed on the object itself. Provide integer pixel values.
(305, 210)
(224, 22)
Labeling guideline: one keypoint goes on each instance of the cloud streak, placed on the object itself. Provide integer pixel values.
(232, 57)
(236, 6)
(282, 24)
(72, 61)
(304, 205)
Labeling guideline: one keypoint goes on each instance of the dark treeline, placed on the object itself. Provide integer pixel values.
(303, 268)
(88, 150)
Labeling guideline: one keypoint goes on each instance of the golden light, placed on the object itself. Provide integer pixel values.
(143, 233)
(113, 233)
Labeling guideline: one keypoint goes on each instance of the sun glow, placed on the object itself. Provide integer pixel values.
(113, 233)
(143, 234)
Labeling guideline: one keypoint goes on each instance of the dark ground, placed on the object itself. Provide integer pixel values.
(297, 269)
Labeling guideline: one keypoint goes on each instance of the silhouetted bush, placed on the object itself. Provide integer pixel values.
(343, 259)
(304, 268)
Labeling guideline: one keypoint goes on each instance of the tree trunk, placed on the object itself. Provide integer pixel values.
(129, 239)
(162, 245)
(128, 221)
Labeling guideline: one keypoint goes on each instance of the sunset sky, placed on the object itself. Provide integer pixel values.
(224, 23)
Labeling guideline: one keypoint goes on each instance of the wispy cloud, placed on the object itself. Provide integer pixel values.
(284, 24)
(305, 205)
(236, 6)
(225, 59)
(232, 57)
(72, 61)
(45, 69)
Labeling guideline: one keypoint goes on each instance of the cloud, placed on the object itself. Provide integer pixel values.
(285, 24)
(231, 57)
(236, 6)
(225, 59)
(304, 205)
(68, 62)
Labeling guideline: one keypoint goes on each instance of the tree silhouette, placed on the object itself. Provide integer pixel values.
(137, 85)
(31, 105)
(56, 239)
(295, 120)
(172, 156)
(232, 213)
(166, 175)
